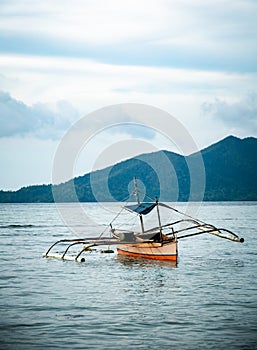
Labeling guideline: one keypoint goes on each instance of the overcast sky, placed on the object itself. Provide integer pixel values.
(60, 60)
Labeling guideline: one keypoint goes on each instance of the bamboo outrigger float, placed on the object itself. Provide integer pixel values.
(158, 243)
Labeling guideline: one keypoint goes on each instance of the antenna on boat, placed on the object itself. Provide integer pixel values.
(138, 201)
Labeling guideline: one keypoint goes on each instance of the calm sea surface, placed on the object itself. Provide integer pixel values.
(209, 301)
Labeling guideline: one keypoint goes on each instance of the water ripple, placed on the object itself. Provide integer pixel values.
(208, 301)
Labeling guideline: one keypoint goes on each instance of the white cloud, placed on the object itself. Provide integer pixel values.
(172, 54)
(83, 21)
(240, 116)
(16, 118)
(44, 79)
(89, 85)
(172, 33)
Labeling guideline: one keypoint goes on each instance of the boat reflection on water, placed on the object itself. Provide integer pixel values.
(129, 261)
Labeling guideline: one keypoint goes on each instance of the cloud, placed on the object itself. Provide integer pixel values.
(50, 122)
(185, 34)
(81, 77)
(240, 115)
(17, 118)
(82, 21)
(173, 55)
(134, 130)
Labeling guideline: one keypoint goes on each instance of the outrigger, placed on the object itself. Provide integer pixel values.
(157, 243)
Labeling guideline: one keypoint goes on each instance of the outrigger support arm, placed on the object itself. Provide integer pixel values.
(206, 228)
(84, 249)
(201, 228)
(216, 232)
(76, 241)
(80, 242)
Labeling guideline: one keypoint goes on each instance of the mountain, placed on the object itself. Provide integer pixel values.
(231, 169)
(224, 171)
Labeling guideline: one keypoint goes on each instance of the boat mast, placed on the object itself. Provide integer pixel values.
(138, 201)
(159, 217)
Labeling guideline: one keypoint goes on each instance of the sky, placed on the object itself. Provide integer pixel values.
(61, 61)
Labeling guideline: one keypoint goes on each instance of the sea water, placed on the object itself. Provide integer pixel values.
(209, 301)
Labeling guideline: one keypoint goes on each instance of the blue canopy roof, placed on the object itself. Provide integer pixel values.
(142, 208)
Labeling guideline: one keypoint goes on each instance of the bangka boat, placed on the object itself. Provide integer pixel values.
(157, 243)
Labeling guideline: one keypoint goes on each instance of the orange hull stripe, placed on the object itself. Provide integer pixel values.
(148, 256)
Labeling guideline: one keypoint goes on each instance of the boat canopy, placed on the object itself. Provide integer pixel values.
(142, 208)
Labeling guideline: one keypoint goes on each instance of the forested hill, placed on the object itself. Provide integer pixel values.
(230, 174)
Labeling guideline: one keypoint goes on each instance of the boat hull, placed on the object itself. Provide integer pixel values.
(155, 251)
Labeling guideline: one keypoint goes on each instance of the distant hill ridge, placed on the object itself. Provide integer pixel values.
(230, 175)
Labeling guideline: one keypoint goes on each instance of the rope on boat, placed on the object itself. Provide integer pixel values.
(117, 215)
(106, 227)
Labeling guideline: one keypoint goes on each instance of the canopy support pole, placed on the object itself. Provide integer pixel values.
(138, 201)
(159, 218)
